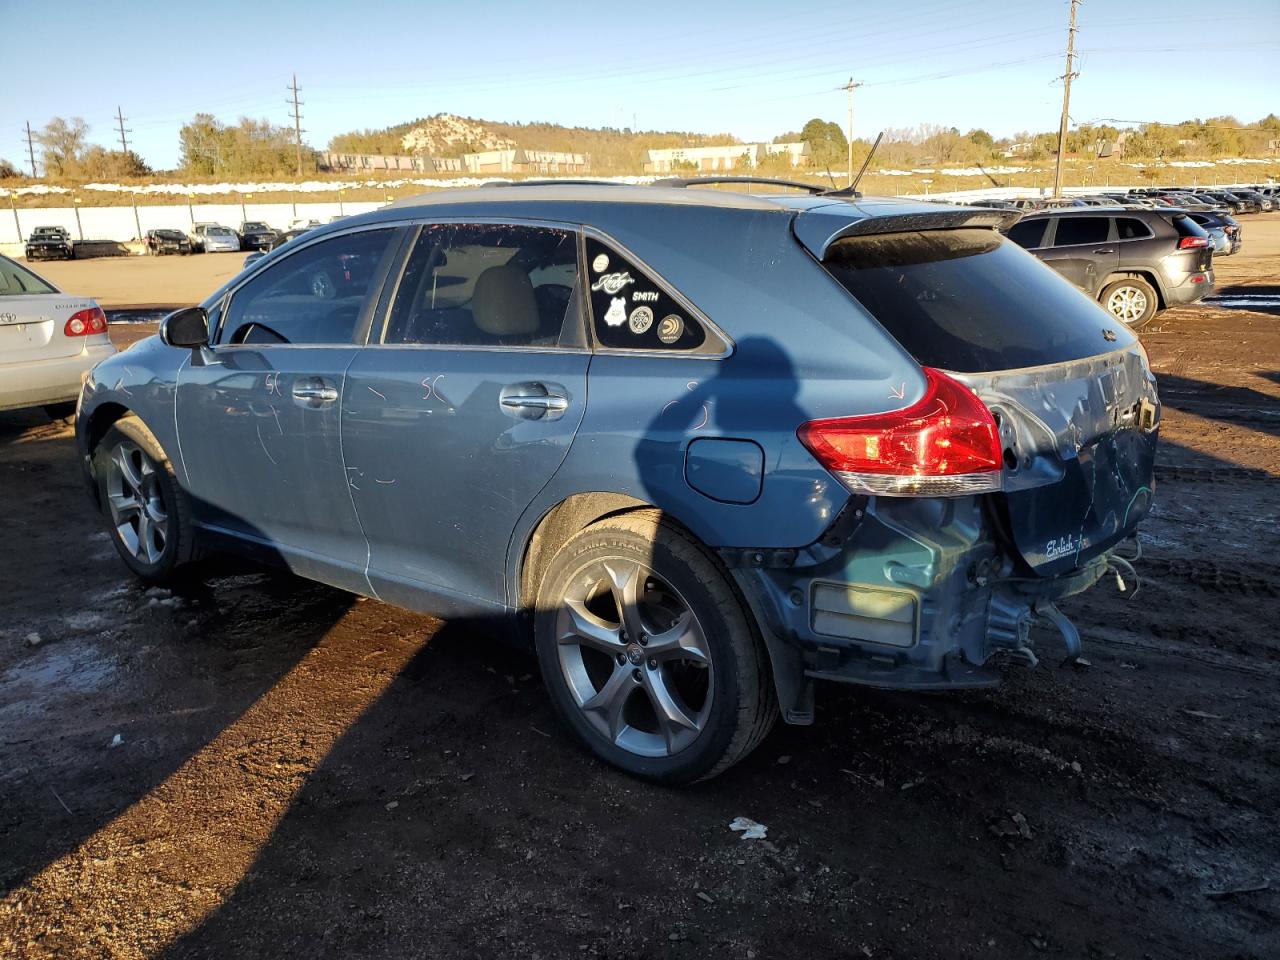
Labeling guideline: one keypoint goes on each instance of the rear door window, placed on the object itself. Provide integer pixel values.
(1073, 231)
(489, 285)
(970, 301)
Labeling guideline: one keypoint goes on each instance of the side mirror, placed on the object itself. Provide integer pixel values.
(185, 328)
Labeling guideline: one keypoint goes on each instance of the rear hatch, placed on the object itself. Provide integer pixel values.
(1069, 385)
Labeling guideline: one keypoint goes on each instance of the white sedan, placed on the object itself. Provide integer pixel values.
(48, 341)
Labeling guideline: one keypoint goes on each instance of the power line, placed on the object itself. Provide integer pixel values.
(1066, 99)
(297, 122)
(124, 143)
(31, 150)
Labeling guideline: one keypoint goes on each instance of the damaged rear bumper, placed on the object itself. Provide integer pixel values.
(902, 594)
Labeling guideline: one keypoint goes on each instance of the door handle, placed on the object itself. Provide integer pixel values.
(315, 391)
(1105, 250)
(533, 401)
(536, 402)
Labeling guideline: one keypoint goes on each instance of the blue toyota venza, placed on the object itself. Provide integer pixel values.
(698, 448)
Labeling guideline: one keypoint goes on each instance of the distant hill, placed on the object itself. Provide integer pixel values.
(447, 135)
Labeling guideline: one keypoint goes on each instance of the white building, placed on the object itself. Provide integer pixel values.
(736, 156)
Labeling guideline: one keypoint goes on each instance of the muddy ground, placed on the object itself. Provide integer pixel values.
(262, 767)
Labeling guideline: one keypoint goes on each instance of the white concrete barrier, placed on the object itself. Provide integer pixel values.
(121, 224)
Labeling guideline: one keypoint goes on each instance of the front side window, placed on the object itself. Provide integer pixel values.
(314, 296)
(17, 282)
(1078, 230)
(629, 308)
(505, 285)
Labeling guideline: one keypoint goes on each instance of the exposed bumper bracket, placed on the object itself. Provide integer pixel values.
(1046, 610)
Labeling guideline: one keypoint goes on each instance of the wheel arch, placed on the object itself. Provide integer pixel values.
(101, 419)
(1147, 275)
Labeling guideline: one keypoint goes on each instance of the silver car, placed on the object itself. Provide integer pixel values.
(215, 238)
(49, 341)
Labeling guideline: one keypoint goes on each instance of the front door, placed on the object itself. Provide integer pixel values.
(463, 407)
(259, 413)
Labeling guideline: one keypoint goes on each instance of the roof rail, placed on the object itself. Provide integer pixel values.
(701, 181)
(553, 181)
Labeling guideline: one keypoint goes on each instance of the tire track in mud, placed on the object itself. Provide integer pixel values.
(1177, 473)
(1258, 580)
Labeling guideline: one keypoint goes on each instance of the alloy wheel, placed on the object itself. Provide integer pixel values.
(635, 658)
(1127, 303)
(136, 502)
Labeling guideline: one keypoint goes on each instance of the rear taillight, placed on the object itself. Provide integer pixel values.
(86, 322)
(1190, 243)
(946, 444)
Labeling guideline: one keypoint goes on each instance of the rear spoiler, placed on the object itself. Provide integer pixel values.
(819, 228)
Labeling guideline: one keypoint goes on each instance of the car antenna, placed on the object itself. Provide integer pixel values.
(994, 181)
(831, 178)
(852, 189)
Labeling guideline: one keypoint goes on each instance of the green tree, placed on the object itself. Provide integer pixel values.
(827, 143)
(62, 145)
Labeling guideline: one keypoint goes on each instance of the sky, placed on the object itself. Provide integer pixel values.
(754, 69)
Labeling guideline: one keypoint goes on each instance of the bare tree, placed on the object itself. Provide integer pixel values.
(63, 144)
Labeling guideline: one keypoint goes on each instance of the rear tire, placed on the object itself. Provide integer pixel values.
(649, 653)
(147, 513)
(1130, 300)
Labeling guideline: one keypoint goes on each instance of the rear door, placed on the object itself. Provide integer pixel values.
(1082, 249)
(464, 405)
(33, 314)
(1069, 385)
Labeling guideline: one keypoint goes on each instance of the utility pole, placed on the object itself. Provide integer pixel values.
(31, 150)
(297, 121)
(849, 88)
(1066, 99)
(124, 144)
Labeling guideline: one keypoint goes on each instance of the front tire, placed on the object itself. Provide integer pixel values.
(147, 513)
(649, 652)
(1132, 301)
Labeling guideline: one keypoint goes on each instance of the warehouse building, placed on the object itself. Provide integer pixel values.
(737, 156)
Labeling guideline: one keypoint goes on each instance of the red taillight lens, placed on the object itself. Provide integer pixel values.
(86, 322)
(1190, 243)
(946, 444)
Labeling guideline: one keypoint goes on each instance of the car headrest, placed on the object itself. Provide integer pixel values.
(503, 304)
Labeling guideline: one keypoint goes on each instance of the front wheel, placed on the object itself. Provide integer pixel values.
(1131, 300)
(649, 653)
(147, 514)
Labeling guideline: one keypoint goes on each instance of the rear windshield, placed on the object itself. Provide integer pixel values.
(970, 301)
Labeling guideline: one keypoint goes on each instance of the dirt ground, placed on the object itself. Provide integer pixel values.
(171, 281)
(263, 767)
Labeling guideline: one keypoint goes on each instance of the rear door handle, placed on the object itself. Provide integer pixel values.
(314, 391)
(1104, 250)
(533, 401)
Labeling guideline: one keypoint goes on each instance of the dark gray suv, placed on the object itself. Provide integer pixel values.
(1134, 262)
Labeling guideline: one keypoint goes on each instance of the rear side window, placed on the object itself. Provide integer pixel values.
(16, 281)
(968, 301)
(1077, 230)
(1131, 228)
(1187, 227)
(630, 310)
(1028, 234)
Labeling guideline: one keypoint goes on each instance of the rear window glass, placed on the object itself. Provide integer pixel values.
(1077, 230)
(968, 301)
